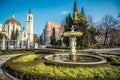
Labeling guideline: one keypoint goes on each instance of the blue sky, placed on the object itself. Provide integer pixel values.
(54, 10)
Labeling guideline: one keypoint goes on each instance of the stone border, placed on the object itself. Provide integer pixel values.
(8, 75)
(102, 59)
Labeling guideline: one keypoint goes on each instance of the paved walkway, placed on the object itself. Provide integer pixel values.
(3, 59)
(109, 51)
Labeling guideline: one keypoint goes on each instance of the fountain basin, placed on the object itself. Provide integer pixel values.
(80, 59)
(73, 34)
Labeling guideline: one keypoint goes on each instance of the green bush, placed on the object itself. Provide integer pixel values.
(113, 59)
(26, 58)
(38, 69)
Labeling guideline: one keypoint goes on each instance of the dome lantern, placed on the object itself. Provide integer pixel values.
(13, 16)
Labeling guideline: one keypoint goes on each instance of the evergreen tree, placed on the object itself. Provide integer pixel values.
(82, 26)
(40, 40)
(53, 38)
(92, 31)
(12, 35)
(80, 23)
(16, 34)
(59, 43)
(67, 27)
(75, 14)
(82, 17)
(1, 35)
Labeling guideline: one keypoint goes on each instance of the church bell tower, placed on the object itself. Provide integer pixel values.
(29, 27)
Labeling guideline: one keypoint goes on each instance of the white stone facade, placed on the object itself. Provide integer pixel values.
(29, 27)
(0, 27)
(24, 36)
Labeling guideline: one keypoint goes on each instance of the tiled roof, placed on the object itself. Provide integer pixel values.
(12, 21)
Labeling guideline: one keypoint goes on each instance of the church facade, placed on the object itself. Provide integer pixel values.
(13, 30)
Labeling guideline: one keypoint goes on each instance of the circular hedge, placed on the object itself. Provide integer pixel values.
(36, 68)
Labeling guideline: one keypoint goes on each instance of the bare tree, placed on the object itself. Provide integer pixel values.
(107, 23)
(36, 38)
(90, 20)
(115, 37)
(118, 26)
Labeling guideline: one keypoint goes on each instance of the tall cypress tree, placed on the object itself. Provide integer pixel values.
(75, 14)
(16, 34)
(80, 23)
(68, 24)
(67, 27)
(53, 38)
(83, 41)
(82, 17)
(13, 34)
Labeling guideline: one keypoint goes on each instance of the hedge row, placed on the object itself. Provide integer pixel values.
(18, 73)
(26, 75)
(113, 59)
(15, 69)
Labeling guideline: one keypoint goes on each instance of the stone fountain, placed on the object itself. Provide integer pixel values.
(73, 57)
(72, 38)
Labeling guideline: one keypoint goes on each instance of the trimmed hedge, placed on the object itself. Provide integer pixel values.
(113, 59)
(30, 70)
(105, 73)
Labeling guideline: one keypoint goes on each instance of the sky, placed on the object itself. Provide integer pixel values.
(55, 10)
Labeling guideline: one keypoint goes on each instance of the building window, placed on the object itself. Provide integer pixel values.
(29, 17)
(24, 35)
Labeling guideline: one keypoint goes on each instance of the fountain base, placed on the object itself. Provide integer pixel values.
(86, 59)
(73, 57)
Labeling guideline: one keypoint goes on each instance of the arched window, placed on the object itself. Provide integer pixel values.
(29, 17)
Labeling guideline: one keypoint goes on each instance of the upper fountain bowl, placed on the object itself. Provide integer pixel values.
(73, 34)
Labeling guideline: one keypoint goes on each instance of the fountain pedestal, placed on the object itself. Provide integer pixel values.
(73, 56)
(72, 35)
(73, 45)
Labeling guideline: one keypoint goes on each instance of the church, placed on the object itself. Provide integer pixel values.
(13, 30)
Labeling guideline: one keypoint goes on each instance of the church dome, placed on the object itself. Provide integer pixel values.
(13, 21)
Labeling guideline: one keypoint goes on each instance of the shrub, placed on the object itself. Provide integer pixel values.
(36, 69)
(26, 58)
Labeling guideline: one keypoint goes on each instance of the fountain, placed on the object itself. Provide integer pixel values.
(72, 36)
(72, 57)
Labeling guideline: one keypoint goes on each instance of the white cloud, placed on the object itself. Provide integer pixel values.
(65, 12)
